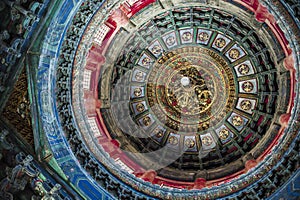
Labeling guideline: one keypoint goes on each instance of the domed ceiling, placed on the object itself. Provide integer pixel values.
(198, 96)
(186, 98)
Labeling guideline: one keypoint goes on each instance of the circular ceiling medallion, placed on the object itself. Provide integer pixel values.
(189, 89)
(203, 36)
(247, 86)
(237, 120)
(234, 53)
(244, 69)
(220, 43)
(224, 134)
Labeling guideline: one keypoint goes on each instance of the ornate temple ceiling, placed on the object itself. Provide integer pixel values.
(203, 86)
(166, 99)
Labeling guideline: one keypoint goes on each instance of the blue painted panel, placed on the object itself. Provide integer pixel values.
(90, 190)
(289, 191)
(66, 9)
(46, 101)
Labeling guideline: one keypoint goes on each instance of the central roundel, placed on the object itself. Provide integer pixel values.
(187, 92)
(190, 89)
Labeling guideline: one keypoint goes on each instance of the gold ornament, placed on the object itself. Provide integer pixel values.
(190, 143)
(170, 41)
(137, 92)
(207, 140)
(186, 36)
(159, 133)
(146, 61)
(246, 105)
(156, 49)
(203, 36)
(220, 43)
(247, 86)
(146, 121)
(140, 107)
(173, 140)
(234, 53)
(237, 120)
(139, 76)
(224, 134)
(243, 69)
